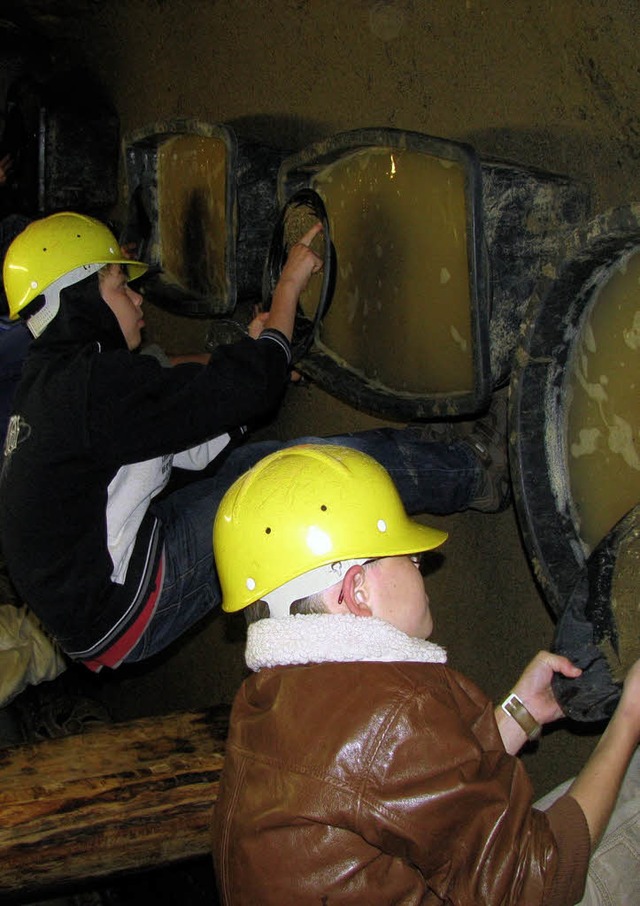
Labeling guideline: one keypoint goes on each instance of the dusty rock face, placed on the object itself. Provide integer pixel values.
(545, 84)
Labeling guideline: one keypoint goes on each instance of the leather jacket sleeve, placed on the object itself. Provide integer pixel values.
(380, 783)
(464, 806)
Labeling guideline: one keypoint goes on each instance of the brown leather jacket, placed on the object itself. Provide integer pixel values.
(383, 783)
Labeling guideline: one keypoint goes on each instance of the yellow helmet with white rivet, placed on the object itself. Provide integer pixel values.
(305, 510)
(55, 252)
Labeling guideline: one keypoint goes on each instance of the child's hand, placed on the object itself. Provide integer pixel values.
(5, 168)
(256, 325)
(535, 692)
(301, 261)
(534, 686)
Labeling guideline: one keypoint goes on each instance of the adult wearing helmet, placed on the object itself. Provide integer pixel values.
(359, 768)
(113, 570)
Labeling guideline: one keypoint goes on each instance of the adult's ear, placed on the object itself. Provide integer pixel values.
(355, 592)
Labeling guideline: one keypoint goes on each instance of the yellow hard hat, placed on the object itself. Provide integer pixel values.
(304, 508)
(64, 245)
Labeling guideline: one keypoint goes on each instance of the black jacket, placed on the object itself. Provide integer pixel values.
(85, 407)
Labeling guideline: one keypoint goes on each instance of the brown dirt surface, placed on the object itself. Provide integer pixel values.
(625, 604)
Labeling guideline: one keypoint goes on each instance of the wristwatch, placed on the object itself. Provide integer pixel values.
(515, 708)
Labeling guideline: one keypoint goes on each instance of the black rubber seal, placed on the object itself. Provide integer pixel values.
(305, 329)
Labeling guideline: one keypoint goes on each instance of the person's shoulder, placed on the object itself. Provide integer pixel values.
(115, 374)
(122, 361)
(464, 684)
(415, 683)
(392, 683)
(366, 681)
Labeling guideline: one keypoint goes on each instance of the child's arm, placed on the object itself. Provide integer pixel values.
(535, 692)
(299, 266)
(596, 787)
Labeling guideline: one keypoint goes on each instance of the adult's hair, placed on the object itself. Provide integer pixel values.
(259, 610)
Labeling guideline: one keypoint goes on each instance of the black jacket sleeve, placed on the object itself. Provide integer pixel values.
(136, 409)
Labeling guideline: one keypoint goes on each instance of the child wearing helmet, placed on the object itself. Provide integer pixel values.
(96, 431)
(16, 337)
(114, 568)
(359, 767)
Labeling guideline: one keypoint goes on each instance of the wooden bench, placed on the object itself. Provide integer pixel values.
(115, 799)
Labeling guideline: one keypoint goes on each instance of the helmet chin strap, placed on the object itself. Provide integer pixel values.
(309, 583)
(42, 318)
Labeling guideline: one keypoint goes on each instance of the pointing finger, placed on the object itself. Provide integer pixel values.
(311, 234)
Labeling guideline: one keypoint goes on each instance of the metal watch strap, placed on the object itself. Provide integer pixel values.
(515, 708)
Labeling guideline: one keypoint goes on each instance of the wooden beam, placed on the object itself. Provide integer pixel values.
(115, 799)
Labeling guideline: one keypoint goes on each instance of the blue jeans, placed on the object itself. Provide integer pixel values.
(435, 478)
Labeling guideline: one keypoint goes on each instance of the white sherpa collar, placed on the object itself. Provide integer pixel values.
(320, 638)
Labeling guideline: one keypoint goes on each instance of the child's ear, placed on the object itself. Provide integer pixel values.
(355, 592)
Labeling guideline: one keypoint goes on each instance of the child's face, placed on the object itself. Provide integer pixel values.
(124, 303)
(399, 595)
